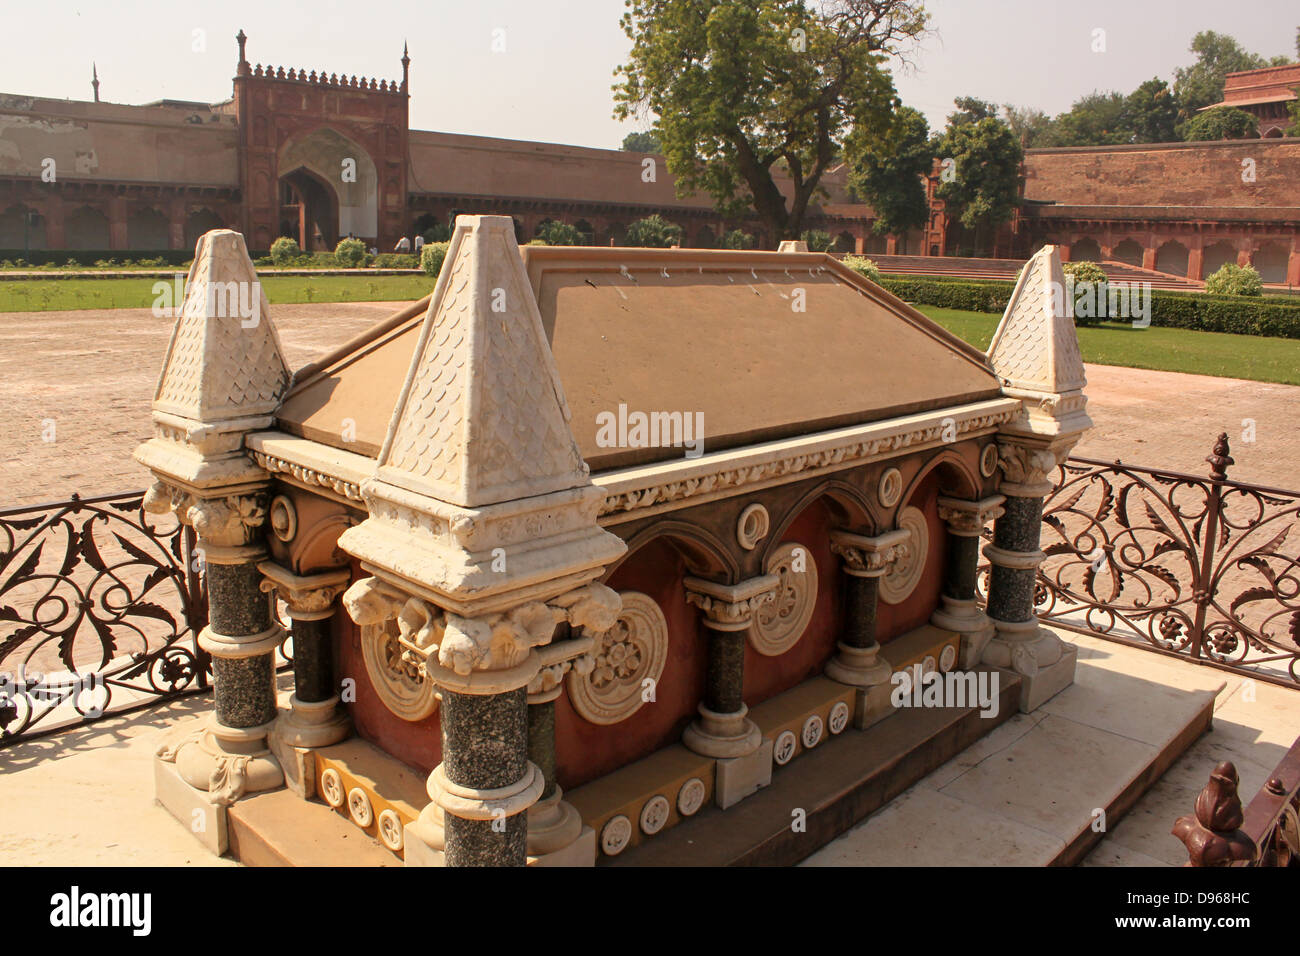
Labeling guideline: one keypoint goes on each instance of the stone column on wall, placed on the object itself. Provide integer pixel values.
(313, 719)
(865, 560)
(482, 537)
(224, 377)
(958, 609)
(1035, 352)
(723, 730)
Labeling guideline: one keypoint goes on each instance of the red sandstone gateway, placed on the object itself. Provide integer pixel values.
(556, 648)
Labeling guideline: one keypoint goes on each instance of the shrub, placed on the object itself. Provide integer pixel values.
(560, 234)
(284, 250)
(818, 241)
(1232, 279)
(71, 264)
(432, 256)
(736, 239)
(1087, 281)
(351, 253)
(396, 260)
(654, 232)
(863, 266)
(1277, 316)
(438, 233)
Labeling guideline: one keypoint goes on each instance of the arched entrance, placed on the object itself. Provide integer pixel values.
(329, 189)
(309, 210)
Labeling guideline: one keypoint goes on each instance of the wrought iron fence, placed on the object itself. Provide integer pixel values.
(100, 608)
(1207, 568)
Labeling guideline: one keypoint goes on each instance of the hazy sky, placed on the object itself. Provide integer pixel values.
(552, 82)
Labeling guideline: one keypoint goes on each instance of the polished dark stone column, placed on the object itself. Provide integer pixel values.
(861, 602)
(485, 747)
(1011, 589)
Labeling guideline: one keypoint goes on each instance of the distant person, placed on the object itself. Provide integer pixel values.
(403, 245)
(419, 244)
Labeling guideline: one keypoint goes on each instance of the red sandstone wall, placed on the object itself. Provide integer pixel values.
(1175, 174)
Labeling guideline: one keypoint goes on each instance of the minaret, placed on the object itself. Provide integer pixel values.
(242, 68)
(406, 66)
(94, 79)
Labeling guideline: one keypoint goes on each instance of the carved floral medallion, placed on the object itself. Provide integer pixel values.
(626, 655)
(780, 623)
(903, 576)
(397, 679)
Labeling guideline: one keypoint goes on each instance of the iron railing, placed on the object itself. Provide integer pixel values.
(100, 608)
(1204, 568)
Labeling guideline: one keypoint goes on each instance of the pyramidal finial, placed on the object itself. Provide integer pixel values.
(1035, 350)
(482, 416)
(224, 361)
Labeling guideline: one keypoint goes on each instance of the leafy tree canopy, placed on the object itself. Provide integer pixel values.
(742, 89)
(640, 143)
(1222, 122)
(982, 186)
(1217, 55)
(887, 172)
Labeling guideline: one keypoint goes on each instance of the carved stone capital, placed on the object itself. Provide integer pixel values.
(310, 597)
(1028, 468)
(491, 653)
(731, 607)
(226, 525)
(966, 519)
(871, 557)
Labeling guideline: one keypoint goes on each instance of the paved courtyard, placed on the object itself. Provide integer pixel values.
(85, 379)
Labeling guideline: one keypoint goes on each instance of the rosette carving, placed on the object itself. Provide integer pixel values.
(629, 653)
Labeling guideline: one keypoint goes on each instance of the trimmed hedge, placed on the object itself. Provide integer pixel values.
(39, 257)
(1275, 316)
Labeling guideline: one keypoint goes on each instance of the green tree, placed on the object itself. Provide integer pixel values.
(982, 186)
(744, 89)
(1201, 84)
(1222, 122)
(1152, 112)
(887, 172)
(736, 239)
(1098, 119)
(640, 143)
(556, 233)
(1032, 127)
(655, 232)
(818, 240)
(971, 109)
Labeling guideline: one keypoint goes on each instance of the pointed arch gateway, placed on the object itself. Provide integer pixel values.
(328, 189)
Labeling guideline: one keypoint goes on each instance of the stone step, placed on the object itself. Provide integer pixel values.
(1033, 792)
(835, 785)
(279, 828)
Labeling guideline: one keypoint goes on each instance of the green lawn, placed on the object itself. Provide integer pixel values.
(38, 295)
(1171, 350)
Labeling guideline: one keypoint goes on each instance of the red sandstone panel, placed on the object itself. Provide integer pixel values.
(893, 620)
(586, 751)
(416, 744)
(766, 677)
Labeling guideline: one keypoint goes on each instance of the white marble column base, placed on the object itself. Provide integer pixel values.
(723, 736)
(1044, 662)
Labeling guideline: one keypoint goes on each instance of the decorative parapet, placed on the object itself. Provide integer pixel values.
(866, 557)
